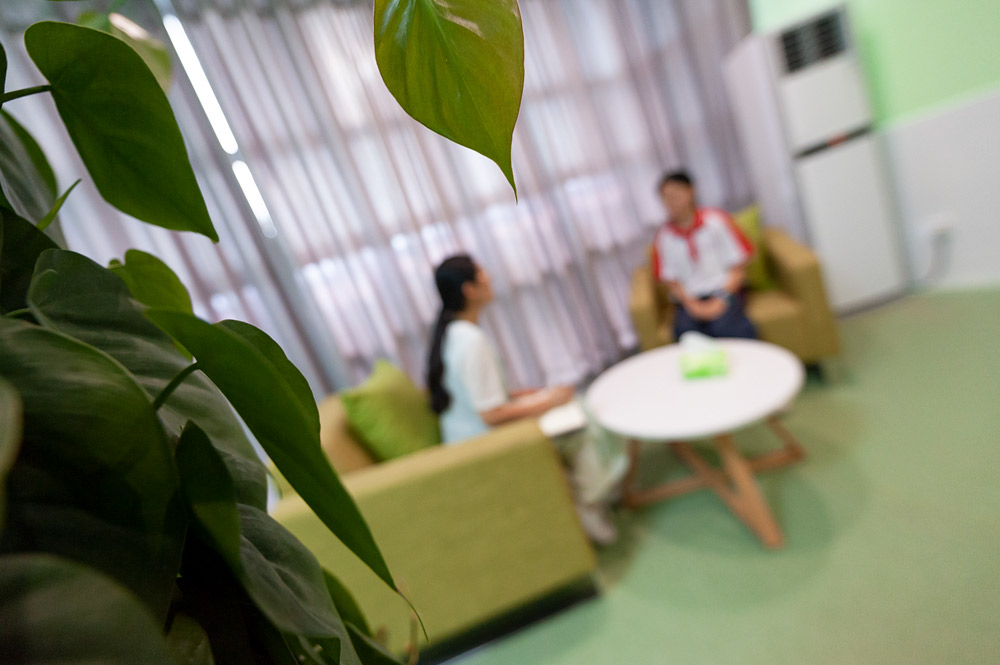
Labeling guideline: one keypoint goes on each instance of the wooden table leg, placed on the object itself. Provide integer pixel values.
(734, 483)
(629, 490)
(758, 515)
(633, 497)
(791, 452)
(714, 479)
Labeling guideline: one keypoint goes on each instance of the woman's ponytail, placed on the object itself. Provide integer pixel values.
(440, 399)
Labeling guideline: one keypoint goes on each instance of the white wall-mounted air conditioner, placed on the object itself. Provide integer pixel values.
(805, 122)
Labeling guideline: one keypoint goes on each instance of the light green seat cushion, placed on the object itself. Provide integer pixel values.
(758, 276)
(389, 415)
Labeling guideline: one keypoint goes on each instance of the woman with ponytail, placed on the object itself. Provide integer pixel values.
(464, 375)
(467, 390)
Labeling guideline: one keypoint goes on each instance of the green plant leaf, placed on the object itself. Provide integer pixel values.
(57, 611)
(276, 356)
(189, 642)
(346, 606)
(457, 67)
(278, 573)
(275, 414)
(51, 216)
(80, 298)
(22, 245)
(34, 151)
(151, 50)
(284, 579)
(121, 124)
(152, 282)
(10, 438)
(209, 492)
(24, 181)
(95, 479)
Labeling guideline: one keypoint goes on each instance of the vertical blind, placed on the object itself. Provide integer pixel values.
(333, 206)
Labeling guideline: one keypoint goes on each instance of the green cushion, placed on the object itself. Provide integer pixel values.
(758, 276)
(390, 416)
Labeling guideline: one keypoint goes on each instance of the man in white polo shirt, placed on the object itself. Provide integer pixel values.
(701, 255)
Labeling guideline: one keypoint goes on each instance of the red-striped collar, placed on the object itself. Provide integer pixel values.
(687, 232)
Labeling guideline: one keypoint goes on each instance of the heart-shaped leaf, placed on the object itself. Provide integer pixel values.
(92, 304)
(286, 429)
(10, 437)
(22, 245)
(121, 124)
(151, 50)
(57, 611)
(95, 479)
(152, 282)
(276, 356)
(284, 579)
(457, 67)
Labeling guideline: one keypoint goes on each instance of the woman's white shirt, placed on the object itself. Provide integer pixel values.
(473, 377)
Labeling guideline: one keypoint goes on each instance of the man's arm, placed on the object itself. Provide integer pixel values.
(735, 279)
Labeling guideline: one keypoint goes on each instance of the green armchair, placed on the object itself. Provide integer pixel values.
(794, 315)
(470, 532)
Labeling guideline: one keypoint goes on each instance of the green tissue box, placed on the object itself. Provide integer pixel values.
(708, 362)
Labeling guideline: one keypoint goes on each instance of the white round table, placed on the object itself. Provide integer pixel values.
(647, 398)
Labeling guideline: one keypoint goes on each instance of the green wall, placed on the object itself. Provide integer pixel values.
(917, 53)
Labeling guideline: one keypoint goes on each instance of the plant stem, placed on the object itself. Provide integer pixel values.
(24, 92)
(172, 386)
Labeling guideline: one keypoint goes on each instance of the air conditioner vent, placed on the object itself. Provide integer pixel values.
(813, 41)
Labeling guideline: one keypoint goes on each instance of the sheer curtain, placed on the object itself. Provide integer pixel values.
(334, 206)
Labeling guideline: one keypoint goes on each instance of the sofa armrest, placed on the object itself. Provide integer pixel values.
(469, 532)
(644, 308)
(799, 274)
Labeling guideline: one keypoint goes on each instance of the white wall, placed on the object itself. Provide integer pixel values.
(946, 167)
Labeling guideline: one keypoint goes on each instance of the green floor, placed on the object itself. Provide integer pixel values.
(892, 523)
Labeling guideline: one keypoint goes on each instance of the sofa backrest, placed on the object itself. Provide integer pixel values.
(339, 443)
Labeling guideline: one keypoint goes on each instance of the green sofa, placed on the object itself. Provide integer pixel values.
(471, 532)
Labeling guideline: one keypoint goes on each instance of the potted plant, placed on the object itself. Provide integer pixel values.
(133, 523)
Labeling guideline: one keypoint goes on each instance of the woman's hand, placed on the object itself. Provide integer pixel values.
(559, 395)
(528, 406)
(563, 394)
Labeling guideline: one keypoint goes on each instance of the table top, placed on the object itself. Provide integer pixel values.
(646, 396)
